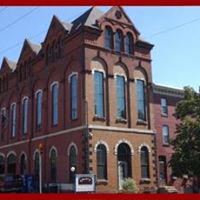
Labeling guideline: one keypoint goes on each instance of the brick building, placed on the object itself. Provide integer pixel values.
(165, 100)
(85, 95)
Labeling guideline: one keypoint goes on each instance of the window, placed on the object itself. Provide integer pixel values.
(13, 120)
(2, 164)
(118, 41)
(74, 97)
(165, 133)
(39, 109)
(53, 165)
(72, 163)
(3, 122)
(162, 169)
(141, 104)
(164, 109)
(99, 93)
(11, 164)
(25, 115)
(128, 43)
(144, 162)
(23, 165)
(121, 101)
(101, 162)
(108, 38)
(54, 94)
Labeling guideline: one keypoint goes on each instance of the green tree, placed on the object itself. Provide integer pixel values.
(186, 145)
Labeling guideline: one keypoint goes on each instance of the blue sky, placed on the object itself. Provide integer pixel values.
(175, 32)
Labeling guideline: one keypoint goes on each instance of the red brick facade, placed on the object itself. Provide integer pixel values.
(78, 48)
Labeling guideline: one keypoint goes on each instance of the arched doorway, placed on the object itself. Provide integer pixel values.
(72, 163)
(124, 163)
(23, 165)
(11, 164)
(2, 165)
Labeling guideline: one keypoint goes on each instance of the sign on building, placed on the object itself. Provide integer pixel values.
(85, 183)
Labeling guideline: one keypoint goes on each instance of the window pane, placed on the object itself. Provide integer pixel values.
(144, 160)
(118, 41)
(129, 43)
(164, 108)
(99, 94)
(101, 162)
(13, 120)
(141, 104)
(39, 109)
(165, 131)
(74, 98)
(108, 38)
(55, 104)
(121, 102)
(25, 115)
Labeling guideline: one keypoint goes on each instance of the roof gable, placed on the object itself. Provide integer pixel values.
(7, 65)
(57, 25)
(117, 13)
(29, 48)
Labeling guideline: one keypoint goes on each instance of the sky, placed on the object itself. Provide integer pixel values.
(174, 31)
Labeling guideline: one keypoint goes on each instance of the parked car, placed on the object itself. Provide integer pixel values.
(11, 183)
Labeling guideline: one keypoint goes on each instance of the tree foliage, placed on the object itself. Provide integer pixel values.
(186, 145)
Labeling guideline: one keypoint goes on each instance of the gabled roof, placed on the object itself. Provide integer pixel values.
(65, 26)
(6, 62)
(35, 48)
(88, 18)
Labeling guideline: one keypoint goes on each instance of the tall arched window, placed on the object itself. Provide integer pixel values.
(2, 164)
(54, 97)
(39, 109)
(128, 43)
(74, 95)
(11, 164)
(118, 41)
(99, 93)
(53, 165)
(23, 164)
(72, 163)
(144, 159)
(3, 123)
(13, 119)
(141, 103)
(108, 38)
(121, 97)
(25, 115)
(101, 162)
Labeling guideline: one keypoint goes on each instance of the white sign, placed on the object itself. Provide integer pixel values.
(85, 183)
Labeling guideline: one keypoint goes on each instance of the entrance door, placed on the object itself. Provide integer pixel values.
(122, 172)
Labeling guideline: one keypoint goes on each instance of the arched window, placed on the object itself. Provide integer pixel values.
(72, 163)
(54, 97)
(101, 162)
(11, 164)
(121, 97)
(2, 165)
(128, 43)
(144, 159)
(37, 169)
(73, 95)
(108, 38)
(23, 165)
(13, 120)
(3, 123)
(25, 115)
(39, 109)
(53, 165)
(141, 103)
(118, 41)
(99, 93)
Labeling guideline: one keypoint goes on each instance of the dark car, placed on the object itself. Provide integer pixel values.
(11, 183)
